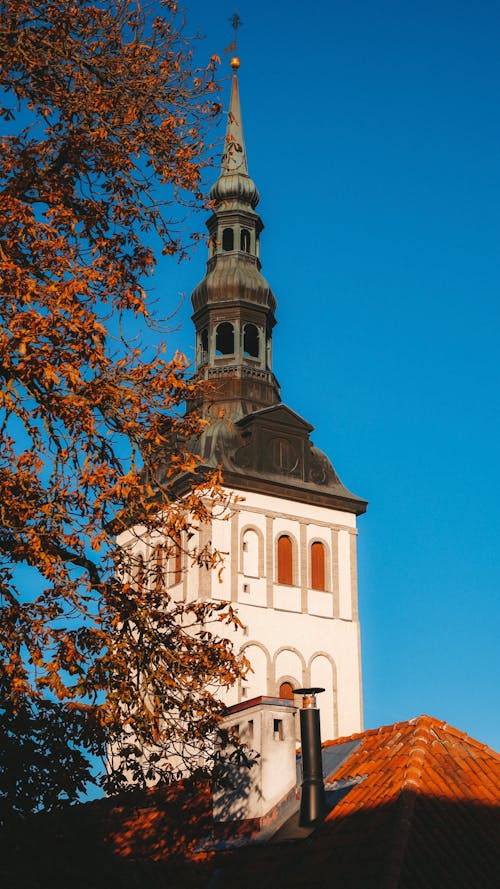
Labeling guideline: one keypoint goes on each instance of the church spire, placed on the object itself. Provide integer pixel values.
(234, 159)
(233, 304)
(234, 184)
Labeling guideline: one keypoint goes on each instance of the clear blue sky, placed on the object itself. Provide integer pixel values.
(372, 131)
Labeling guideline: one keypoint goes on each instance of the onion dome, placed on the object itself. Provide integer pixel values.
(233, 278)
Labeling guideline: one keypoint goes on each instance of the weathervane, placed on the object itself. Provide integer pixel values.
(235, 23)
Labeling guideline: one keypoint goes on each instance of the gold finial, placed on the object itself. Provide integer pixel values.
(236, 23)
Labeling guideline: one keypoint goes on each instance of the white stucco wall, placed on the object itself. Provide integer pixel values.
(291, 632)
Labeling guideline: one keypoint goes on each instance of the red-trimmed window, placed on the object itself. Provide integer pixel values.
(317, 566)
(285, 560)
(286, 691)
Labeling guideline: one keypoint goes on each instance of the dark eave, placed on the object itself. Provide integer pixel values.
(342, 499)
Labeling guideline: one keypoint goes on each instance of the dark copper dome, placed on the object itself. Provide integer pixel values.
(235, 187)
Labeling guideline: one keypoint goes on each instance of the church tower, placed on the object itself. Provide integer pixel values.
(290, 541)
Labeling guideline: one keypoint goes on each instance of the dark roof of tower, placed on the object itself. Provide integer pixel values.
(269, 451)
(233, 277)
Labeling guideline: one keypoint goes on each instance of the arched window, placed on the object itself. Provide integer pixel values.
(284, 454)
(250, 553)
(285, 560)
(224, 339)
(228, 239)
(251, 341)
(286, 691)
(317, 566)
(245, 240)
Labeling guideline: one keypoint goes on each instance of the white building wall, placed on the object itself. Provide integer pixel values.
(269, 729)
(292, 632)
(345, 591)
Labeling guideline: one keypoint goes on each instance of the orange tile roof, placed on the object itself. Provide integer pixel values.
(425, 755)
(417, 807)
(431, 797)
(421, 809)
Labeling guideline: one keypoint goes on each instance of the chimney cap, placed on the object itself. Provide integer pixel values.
(309, 696)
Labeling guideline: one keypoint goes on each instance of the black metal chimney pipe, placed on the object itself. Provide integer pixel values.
(312, 803)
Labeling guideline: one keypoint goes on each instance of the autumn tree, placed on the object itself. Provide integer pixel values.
(104, 122)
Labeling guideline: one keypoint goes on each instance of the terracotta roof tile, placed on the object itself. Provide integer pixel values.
(425, 815)
(440, 792)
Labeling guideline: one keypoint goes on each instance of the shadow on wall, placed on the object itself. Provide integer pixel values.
(235, 783)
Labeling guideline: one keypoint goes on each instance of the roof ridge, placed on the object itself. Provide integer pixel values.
(370, 732)
(423, 719)
(418, 751)
(463, 736)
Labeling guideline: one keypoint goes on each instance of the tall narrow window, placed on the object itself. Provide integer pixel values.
(317, 566)
(250, 554)
(286, 691)
(228, 239)
(285, 560)
(245, 240)
(251, 341)
(224, 339)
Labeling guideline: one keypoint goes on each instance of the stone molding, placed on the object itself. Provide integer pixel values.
(261, 558)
